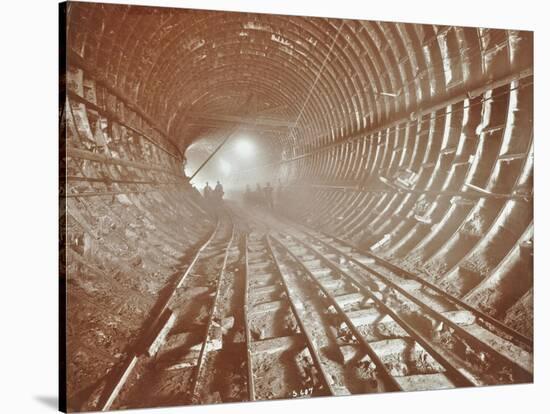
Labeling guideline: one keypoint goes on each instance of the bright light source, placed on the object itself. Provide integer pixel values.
(244, 148)
(225, 167)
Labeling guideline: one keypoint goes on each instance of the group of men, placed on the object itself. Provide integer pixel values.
(215, 195)
(260, 197)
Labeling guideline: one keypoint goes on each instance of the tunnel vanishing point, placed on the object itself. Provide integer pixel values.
(399, 251)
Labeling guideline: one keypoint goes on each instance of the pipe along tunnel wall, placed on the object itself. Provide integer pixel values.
(413, 141)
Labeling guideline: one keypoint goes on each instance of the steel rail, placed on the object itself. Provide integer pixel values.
(380, 367)
(436, 315)
(248, 339)
(454, 373)
(516, 336)
(181, 279)
(309, 340)
(198, 372)
(116, 381)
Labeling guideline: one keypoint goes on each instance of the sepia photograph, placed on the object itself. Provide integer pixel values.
(258, 206)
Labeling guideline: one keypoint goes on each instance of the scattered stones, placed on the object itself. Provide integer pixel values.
(216, 338)
(348, 352)
(227, 324)
(136, 261)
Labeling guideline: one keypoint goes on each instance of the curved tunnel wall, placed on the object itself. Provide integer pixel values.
(130, 219)
(412, 140)
(448, 196)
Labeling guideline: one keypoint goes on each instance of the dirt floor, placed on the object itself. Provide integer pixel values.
(119, 271)
(119, 258)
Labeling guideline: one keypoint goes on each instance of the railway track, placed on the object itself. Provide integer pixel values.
(350, 361)
(372, 262)
(282, 353)
(178, 359)
(391, 353)
(425, 339)
(470, 353)
(315, 316)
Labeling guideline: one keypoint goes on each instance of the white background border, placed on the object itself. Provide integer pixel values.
(28, 216)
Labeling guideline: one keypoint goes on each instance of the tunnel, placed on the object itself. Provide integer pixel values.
(407, 146)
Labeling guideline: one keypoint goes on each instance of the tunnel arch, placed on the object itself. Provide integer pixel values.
(412, 141)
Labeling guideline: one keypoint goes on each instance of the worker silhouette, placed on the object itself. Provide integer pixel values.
(268, 194)
(218, 192)
(258, 195)
(207, 191)
(248, 197)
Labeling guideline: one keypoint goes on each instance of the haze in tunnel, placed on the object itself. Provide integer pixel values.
(228, 160)
(412, 143)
